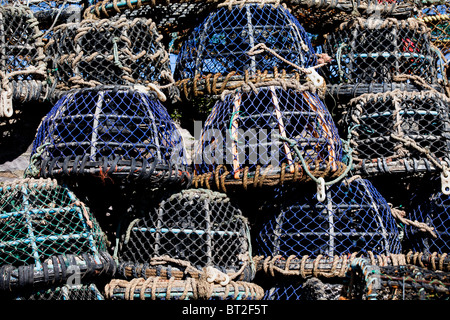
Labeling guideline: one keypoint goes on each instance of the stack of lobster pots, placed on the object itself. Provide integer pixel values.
(223, 150)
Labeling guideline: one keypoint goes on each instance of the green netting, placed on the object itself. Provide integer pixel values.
(40, 219)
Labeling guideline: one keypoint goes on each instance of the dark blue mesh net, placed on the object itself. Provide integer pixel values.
(352, 218)
(220, 45)
(435, 213)
(120, 132)
(247, 139)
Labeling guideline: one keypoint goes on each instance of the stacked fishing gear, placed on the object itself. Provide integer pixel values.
(319, 170)
(47, 235)
(389, 84)
(194, 244)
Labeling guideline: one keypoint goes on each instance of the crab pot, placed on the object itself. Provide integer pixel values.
(255, 139)
(323, 16)
(40, 219)
(154, 288)
(353, 217)
(435, 212)
(370, 52)
(221, 53)
(22, 66)
(83, 291)
(399, 132)
(116, 51)
(200, 227)
(124, 134)
(400, 282)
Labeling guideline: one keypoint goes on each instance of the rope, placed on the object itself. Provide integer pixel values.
(400, 216)
(310, 72)
(200, 289)
(320, 181)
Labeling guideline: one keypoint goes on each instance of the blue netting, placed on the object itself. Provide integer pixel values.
(40, 219)
(119, 132)
(436, 214)
(352, 218)
(243, 140)
(218, 49)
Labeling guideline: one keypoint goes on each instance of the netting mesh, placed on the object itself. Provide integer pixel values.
(116, 51)
(176, 17)
(201, 227)
(381, 51)
(354, 217)
(323, 16)
(224, 51)
(256, 139)
(43, 5)
(435, 213)
(312, 289)
(403, 282)
(21, 58)
(436, 18)
(123, 133)
(40, 219)
(67, 292)
(398, 132)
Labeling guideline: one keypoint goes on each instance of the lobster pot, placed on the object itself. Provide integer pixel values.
(260, 139)
(404, 282)
(353, 217)
(436, 18)
(40, 219)
(83, 292)
(116, 51)
(399, 132)
(312, 289)
(122, 133)
(323, 16)
(154, 288)
(22, 66)
(172, 18)
(201, 227)
(435, 212)
(372, 55)
(224, 51)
